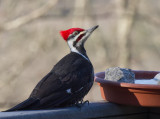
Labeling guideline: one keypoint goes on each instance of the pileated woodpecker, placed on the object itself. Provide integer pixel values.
(69, 80)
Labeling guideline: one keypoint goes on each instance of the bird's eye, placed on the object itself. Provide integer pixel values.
(75, 33)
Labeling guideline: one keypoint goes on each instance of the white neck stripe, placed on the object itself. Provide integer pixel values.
(83, 56)
(80, 54)
(73, 49)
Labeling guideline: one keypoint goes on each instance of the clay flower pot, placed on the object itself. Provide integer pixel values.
(130, 94)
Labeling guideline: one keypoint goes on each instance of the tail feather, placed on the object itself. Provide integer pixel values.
(27, 104)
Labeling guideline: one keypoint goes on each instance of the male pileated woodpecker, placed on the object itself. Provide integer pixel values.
(69, 80)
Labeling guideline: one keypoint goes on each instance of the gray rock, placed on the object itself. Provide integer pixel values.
(120, 75)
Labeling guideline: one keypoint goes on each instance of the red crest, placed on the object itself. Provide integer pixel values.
(65, 34)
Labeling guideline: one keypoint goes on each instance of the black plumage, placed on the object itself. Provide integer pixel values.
(51, 91)
(69, 80)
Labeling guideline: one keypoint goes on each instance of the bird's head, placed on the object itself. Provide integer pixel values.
(76, 38)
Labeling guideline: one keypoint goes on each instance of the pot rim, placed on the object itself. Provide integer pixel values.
(100, 80)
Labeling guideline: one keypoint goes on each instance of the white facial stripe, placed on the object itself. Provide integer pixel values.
(84, 38)
(76, 37)
(73, 49)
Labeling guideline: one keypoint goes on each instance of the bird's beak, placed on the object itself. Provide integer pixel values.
(91, 29)
(86, 34)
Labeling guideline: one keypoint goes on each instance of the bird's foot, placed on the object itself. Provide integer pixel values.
(81, 103)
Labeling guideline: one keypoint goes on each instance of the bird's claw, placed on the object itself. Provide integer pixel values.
(81, 103)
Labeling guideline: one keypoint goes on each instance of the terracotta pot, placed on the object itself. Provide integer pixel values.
(130, 94)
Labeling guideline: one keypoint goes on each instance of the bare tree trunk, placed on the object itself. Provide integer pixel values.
(79, 13)
(19, 22)
(126, 14)
(29, 17)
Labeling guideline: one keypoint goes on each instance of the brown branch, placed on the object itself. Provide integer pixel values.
(125, 24)
(150, 19)
(29, 17)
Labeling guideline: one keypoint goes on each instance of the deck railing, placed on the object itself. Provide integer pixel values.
(95, 110)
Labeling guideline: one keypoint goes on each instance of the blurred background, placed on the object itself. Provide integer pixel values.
(30, 43)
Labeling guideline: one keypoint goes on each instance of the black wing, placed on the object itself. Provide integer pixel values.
(52, 89)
